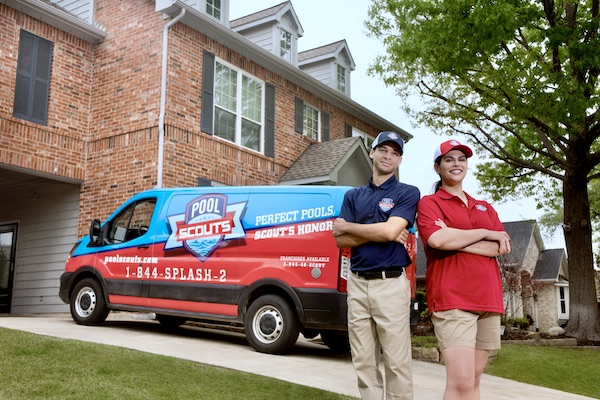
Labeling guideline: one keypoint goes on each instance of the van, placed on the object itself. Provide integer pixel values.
(260, 258)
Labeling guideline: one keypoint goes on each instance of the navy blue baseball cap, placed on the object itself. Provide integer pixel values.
(389, 137)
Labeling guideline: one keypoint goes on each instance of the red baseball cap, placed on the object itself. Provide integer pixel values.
(450, 145)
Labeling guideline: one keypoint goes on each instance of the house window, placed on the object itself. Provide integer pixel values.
(213, 7)
(238, 107)
(33, 78)
(341, 79)
(285, 45)
(367, 139)
(311, 122)
(563, 302)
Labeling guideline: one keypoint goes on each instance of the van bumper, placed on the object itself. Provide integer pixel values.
(323, 309)
(63, 291)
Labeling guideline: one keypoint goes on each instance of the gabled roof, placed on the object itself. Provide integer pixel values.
(326, 52)
(521, 233)
(548, 265)
(272, 14)
(321, 162)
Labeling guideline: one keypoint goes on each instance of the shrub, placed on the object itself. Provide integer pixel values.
(522, 323)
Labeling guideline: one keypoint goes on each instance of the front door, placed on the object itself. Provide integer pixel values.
(8, 241)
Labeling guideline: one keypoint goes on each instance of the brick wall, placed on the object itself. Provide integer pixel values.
(547, 311)
(58, 148)
(127, 98)
(105, 103)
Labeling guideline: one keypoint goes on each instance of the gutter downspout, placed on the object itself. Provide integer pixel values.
(163, 98)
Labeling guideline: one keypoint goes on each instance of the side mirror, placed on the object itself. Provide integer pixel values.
(95, 231)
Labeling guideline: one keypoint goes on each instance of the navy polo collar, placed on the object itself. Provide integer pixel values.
(385, 185)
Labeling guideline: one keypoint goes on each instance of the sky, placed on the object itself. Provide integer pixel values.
(328, 21)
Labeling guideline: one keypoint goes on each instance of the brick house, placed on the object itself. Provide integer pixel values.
(102, 99)
(535, 280)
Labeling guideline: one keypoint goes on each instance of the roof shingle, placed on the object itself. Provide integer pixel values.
(319, 159)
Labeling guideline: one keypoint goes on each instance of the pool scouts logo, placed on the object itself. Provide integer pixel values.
(386, 204)
(208, 220)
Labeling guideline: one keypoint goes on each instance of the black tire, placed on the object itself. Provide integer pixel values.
(88, 306)
(170, 321)
(338, 342)
(271, 325)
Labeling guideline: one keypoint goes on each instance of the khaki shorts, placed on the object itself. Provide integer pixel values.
(460, 328)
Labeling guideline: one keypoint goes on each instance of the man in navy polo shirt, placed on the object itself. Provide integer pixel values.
(371, 223)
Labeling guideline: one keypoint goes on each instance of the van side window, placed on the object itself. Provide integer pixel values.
(132, 222)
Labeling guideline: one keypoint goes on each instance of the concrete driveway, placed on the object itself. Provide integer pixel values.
(308, 364)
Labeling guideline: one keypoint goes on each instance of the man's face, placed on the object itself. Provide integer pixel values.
(386, 158)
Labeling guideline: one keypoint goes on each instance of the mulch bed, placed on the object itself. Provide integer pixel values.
(522, 335)
(427, 330)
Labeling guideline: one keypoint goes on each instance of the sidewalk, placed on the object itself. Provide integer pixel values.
(308, 364)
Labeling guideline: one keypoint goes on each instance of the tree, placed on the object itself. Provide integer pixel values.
(519, 78)
(553, 218)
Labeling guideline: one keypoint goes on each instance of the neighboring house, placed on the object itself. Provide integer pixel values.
(103, 99)
(535, 280)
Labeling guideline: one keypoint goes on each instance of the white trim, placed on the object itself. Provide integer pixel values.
(319, 121)
(58, 18)
(559, 301)
(238, 113)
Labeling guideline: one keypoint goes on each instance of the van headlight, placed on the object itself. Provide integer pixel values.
(74, 248)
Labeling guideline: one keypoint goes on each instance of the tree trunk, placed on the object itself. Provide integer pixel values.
(584, 318)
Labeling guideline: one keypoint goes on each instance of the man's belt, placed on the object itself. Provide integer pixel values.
(380, 274)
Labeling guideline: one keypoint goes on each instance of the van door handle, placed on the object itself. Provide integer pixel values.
(143, 246)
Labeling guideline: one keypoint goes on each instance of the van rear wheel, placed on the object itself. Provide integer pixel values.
(271, 325)
(338, 342)
(87, 303)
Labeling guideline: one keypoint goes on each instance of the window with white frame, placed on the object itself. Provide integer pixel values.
(341, 78)
(311, 122)
(367, 139)
(213, 8)
(563, 302)
(285, 45)
(238, 107)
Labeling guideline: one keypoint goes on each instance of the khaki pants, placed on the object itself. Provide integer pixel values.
(379, 322)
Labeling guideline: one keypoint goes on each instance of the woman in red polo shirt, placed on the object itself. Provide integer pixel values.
(462, 237)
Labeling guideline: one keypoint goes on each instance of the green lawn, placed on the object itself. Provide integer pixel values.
(39, 367)
(569, 370)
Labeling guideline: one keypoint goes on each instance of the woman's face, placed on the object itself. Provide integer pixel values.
(453, 167)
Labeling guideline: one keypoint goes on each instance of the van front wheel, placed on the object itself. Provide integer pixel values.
(271, 325)
(87, 303)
